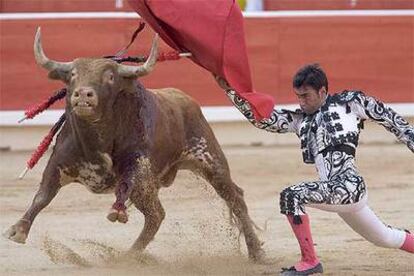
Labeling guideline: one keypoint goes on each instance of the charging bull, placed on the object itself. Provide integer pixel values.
(120, 137)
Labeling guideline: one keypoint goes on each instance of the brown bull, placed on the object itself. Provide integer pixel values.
(120, 137)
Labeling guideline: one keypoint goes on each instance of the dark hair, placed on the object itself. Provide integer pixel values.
(310, 75)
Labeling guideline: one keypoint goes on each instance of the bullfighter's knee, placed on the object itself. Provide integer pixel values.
(289, 202)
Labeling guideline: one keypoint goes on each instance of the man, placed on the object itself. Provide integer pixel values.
(328, 127)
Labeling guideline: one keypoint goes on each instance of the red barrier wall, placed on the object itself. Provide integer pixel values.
(337, 4)
(122, 5)
(374, 54)
(63, 5)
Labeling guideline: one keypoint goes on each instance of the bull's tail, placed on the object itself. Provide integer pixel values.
(235, 221)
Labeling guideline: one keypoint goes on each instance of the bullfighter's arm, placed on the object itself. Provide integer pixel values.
(280, 120)
(367, 107)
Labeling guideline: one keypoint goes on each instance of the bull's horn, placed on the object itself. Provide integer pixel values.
(42, 59)
(139, 71)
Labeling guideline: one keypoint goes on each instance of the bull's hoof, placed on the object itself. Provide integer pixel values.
(117, 215)
(122, 217)
(112, 215)
(140, 257)
(18, 232)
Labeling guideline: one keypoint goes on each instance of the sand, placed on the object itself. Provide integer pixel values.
(73, 237)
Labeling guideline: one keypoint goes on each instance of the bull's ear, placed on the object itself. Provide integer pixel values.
(59, 75)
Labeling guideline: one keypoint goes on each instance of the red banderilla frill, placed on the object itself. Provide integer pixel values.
(33, 111)
(44, 145)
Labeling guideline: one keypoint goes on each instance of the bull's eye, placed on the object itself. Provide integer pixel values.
(72, 75)
(109, 77)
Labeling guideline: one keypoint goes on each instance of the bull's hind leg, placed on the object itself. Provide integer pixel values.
(219, 178)
(146, 200)
(208, 160)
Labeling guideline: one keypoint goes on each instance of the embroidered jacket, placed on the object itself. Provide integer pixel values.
(337, 122)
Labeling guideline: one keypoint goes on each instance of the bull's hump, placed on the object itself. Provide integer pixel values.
(171, 94)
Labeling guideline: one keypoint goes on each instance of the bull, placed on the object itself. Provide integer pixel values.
(120, 137)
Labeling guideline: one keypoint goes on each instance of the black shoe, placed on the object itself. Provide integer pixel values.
(293, 272)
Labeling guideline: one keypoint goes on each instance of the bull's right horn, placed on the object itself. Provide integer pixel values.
(139, 71)
(42, 59)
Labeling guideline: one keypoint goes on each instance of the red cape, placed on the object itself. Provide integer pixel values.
(212, 30)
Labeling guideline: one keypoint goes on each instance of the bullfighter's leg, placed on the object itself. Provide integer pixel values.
(48, 189)
(369, 226)
(147, 202)
(342, 193)
(209, 161)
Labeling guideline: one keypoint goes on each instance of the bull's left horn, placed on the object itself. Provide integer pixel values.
(43, 60)
(139, 71)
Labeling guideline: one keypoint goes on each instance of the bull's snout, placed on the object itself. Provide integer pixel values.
(84, 99)
(84, 93)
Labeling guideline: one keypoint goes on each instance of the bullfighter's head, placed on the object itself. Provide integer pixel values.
(93, 83)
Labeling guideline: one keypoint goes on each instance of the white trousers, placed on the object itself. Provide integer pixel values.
(364, 221)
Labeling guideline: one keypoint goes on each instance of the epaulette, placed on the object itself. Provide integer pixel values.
(297, 111)
(347, 96)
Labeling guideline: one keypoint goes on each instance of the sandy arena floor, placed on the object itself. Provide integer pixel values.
(73, 237)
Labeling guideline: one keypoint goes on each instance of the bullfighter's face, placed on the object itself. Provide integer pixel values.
(310, 100)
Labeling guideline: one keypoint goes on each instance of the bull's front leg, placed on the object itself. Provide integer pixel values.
(127, 169)
(118, 211)
(48, 189)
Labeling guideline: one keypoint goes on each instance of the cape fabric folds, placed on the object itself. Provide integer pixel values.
(212, 30)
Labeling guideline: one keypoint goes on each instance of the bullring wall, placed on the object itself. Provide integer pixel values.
(368, 50)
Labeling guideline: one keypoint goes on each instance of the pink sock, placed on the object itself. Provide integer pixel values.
(408, 244)
(303, 235)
